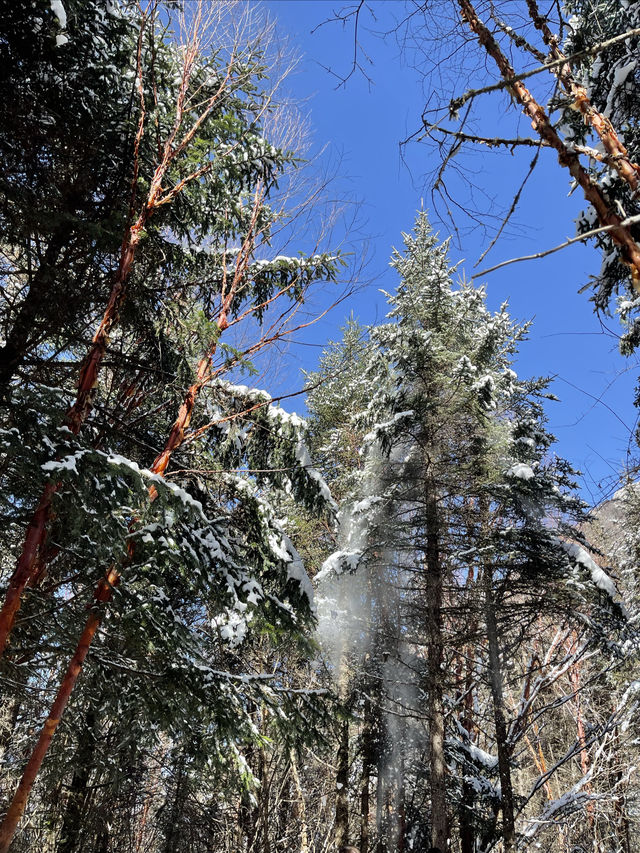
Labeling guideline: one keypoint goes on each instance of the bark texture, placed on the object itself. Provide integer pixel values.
(502, 741)
(434, 582)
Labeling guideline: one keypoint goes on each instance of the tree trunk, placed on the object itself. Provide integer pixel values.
(102, 594)
(381, 770)
(302, 811)
(466, 810)
(264, 801)
(342, 788)
(12, 708)
(102, 841)
(465, 816)
(504, 751)
(400, 828)
(466, 698)
(365, 781)
(21, 796)
(90, 367)
(434, 583)
(173, 829)
(76, 802)
(74, 419)
(611, 142)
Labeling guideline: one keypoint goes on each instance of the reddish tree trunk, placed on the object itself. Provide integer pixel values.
(20, 798)
(75, 417)
(105, 587)
(181, 423)
(32, 542)
(102, 594)
(77, 414)
(618, 157)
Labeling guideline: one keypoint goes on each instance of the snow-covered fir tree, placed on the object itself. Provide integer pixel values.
(458, 544)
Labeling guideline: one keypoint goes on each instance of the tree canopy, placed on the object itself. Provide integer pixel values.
(391, 623)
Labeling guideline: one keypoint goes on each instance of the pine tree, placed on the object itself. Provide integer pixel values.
(454, 511)
(68, 123)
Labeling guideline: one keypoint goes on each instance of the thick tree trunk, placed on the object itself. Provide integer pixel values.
(434, 583)
(34, 538)
(342, 787)
(504, 751)
(365, 782)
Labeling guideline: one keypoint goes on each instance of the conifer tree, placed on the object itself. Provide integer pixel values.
(455, 506)
(68, 121)
(159, 469)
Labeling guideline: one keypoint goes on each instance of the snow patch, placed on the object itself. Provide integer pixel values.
(600, 578)
(338, 562)
(521, 471)
(619, 79)
(60, 12)
(303, 458)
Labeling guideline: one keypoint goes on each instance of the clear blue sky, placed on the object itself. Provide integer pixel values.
(361, 125)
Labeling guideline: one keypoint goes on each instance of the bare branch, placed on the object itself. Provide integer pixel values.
(507, 83)
(626, 223)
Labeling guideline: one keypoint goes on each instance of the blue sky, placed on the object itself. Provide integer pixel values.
(358, 127)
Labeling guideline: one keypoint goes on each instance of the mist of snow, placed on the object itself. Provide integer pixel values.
(360, 596)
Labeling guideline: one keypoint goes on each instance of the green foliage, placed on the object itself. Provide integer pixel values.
(207, 569)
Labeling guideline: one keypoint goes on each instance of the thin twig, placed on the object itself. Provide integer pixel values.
(514, 204)
(456, 103)
(631, 220)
